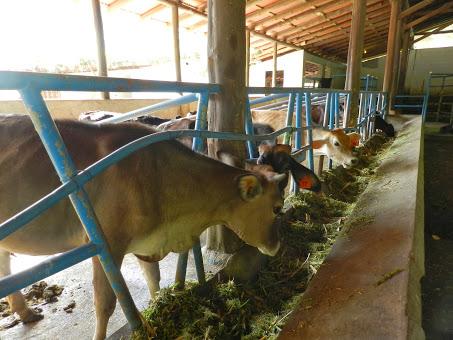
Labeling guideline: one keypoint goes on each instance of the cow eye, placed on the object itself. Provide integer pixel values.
(277, 210)
(336, 144)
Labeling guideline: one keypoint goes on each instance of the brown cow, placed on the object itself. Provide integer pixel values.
(144, 205)
(335, 144)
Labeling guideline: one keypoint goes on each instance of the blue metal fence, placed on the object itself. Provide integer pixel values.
(30, 86)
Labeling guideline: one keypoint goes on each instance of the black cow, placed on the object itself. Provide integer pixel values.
(386, 128)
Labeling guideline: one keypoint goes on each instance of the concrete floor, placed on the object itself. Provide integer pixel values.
(438, 283)
(79, 325)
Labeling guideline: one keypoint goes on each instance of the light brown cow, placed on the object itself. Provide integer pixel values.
(144, 205)
(335, 144)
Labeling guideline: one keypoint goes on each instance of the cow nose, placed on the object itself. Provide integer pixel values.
(354, 161)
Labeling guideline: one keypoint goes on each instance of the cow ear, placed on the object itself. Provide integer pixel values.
(249, 187)
(305, 178)
(285, 148)
(318, 144)
(354, 139)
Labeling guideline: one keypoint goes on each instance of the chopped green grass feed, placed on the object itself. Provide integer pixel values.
(310, 225)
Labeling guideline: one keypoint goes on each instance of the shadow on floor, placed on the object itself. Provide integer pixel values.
(437, 285)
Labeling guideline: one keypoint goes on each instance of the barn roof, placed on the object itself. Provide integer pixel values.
(318, 26)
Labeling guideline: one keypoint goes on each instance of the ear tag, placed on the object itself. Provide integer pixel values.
(305, 182)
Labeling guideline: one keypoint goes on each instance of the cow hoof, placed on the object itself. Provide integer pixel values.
(31, 316)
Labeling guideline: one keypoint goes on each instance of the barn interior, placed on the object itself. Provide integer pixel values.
(389, 277)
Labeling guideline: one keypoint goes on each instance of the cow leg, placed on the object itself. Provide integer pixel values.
(104, 298)
(16, 300)
(152, 275)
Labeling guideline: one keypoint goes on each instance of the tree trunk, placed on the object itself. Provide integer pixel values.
(226, 65)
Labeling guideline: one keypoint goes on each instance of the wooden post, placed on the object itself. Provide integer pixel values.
(355, 58)
(405, 48)
(274, 69)
(102, 60)
(323, 71)
(392, 43)
(247, 58)
(303, 69)
(177, 54)
(396, 65)
(226, 65)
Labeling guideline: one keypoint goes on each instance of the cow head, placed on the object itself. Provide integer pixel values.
(253, 216)
(338, 146)
(279, 158)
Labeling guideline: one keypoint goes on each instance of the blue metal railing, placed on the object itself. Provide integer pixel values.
(31, 84)
(370, 103)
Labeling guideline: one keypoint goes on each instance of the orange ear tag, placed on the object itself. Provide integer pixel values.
(305, 183)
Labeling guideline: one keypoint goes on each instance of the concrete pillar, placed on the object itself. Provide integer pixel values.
(355, 53)
(102, 60)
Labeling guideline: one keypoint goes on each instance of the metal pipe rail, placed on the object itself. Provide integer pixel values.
(30, 86)
(297, 97)
(428, 86)
(370, 103)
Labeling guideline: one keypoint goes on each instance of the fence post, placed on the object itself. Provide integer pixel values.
(201, 123)
(66, 169)
(289, 117)
(311, 163)
(251, 148)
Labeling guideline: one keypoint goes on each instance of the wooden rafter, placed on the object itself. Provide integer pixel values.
(281, 15)
(340, 15)
(411, 10)
(436, 30)
(332, 35)
(153, 10)
(270, 10)
(318, 26)
(117, 3)
(304, 15)
(431, 14)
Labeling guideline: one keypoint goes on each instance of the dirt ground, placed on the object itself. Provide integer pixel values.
(437, 285)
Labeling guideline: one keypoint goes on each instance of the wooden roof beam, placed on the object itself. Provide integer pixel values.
(268, 10)
(152, 10)
(344, 15)
(117, 3)
(278, 16)
(250, 3)
(328, 36)
(433, 13)
(304, 14)
(426, 35)
(345, 43)
(280, 30)
(411, 10)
